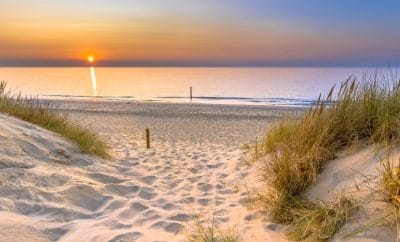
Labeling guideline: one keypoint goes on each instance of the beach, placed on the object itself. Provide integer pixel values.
(199, 121)
(196, 167)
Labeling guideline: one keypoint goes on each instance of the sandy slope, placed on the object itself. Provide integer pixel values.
(50, 191)
(355, 174)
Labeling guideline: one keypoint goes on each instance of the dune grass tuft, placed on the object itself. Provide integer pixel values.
(367, 112)
(36, 112)
(319, 222)
(209, 232)
(390, 174)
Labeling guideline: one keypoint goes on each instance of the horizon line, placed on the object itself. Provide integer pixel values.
(201, 63)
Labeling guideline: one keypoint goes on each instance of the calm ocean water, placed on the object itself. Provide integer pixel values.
(268, 86)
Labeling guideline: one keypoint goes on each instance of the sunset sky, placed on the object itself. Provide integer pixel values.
(200, 32)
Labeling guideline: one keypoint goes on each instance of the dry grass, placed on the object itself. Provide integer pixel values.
(391, 181)
(319, 222)
(390, 174)
(205, 231)
(34, 111)
(367, 112)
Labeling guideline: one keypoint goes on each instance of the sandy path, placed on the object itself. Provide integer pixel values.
(195, 167)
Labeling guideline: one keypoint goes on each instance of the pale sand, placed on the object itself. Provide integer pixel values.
(356, 174)
(50, 191)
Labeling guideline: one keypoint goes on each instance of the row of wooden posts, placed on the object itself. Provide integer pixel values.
(148, 130)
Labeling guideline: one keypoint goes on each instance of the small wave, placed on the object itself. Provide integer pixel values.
(267, 101)
(89, 97)
(274, 101)
(207, 97)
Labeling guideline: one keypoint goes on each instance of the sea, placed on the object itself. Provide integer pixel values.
(281, 86)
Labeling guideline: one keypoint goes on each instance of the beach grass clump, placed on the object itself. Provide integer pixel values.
(390, 174)
(201, 231)
(39, 113)
(367, 111)
(319, 221)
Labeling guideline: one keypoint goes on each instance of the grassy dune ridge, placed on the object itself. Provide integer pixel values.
(34, 111)
(367, 112)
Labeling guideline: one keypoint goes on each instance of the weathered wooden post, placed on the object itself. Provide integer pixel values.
(148, 138)
(191, 93)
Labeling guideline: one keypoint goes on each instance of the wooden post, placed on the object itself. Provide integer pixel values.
(191, 93)
(148, 138)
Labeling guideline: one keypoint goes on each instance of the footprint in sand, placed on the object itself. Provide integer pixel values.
(203, 201)
(180, 217)
(187, 188)
(219, 186)
(193, 179)
(138, 207)
(204, 187)
(187, 200)
(55, 234)
(172, 227)
(194, 170)
(106, 179)
(147, 193)
(169, 206)
(113, 224)
(115, 205)
(58, 214)
(131, 236)
(149, 180)
(135, 209)
(122, 190)
(85, 196)
(146, 217)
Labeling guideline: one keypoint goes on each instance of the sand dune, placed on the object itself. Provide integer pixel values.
(51, 191)
(356, 174)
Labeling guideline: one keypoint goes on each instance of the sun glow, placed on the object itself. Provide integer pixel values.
(90, 59)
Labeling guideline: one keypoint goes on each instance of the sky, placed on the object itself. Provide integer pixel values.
(200, 32)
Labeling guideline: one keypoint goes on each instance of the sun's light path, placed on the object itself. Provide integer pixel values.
(93, 76)
(94, 82)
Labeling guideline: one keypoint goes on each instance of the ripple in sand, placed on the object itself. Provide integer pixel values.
(180, 217)
(122, 190)
(131, 236)
(204, 187)
(147, 193)
(103, 178)
(85, 197)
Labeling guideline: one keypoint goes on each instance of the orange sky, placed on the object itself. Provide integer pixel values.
(122, 31)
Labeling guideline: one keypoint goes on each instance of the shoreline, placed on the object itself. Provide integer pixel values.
(202, 100)
(180, 109)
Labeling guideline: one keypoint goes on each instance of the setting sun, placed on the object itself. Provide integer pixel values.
(90, 59)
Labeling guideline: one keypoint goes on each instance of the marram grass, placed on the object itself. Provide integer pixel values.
(319, 221)
(209, 232)
(367, 112)
(33, 111)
